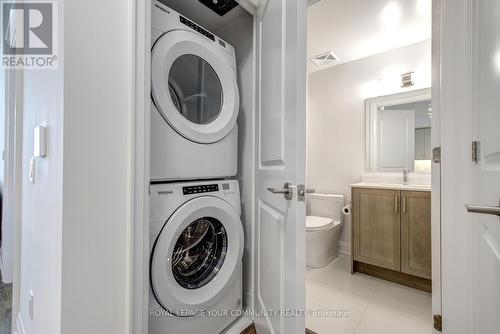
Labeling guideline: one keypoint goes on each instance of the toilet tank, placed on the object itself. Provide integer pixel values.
(326, 205)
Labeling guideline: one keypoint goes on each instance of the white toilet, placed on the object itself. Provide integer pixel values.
(323, 227)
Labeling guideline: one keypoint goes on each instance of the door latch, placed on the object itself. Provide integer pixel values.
(436, 155)
(302, 191)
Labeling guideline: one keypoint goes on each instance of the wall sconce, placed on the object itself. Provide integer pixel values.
(407, 80)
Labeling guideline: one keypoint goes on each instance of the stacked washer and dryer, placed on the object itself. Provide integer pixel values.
(196, 240)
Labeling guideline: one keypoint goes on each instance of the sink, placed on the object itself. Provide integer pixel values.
(422, 187)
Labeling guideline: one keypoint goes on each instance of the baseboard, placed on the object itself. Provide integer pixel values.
(345, 248)
(394, 276)
(239, 326)
(19, 328)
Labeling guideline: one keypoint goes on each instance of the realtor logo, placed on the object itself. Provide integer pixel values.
(29, 34)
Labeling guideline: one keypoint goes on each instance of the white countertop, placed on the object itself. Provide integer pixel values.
(392, 186)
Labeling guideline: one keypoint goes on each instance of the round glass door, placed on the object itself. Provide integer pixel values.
(199, 253)
(195, 89)
(196, 255)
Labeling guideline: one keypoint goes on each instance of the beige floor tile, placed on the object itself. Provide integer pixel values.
(364, 329)
(397, 309)
(375, 306)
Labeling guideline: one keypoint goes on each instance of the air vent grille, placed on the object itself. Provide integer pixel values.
(327, 58)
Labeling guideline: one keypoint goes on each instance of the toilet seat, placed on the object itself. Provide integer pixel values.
(314, 223)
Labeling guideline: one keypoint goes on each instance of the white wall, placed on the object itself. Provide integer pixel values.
(75, 237)
(98, 102)
(41, 204)
(336, 114)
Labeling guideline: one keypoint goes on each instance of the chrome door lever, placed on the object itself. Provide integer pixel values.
(287, 191)
(487, 210)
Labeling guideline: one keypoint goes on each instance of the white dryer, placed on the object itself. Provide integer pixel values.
(196, 245)
(195, 100)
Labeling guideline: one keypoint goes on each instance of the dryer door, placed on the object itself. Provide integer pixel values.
(193, 87)
(196, 256)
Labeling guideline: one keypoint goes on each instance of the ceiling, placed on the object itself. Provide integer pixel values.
(354, 29)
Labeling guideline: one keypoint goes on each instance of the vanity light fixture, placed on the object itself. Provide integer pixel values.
(407, 79)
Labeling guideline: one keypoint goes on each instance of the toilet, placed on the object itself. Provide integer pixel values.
(323, 227)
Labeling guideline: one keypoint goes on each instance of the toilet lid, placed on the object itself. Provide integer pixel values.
(318, 223)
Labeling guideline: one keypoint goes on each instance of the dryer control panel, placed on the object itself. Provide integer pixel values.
(197, 28)
(199, 189)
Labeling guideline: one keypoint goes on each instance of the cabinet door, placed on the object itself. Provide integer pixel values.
(377, 228)
(416, 233)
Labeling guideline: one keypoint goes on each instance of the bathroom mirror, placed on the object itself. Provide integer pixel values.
(398, 132)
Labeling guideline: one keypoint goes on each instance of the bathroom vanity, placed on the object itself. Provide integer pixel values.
(391, 232)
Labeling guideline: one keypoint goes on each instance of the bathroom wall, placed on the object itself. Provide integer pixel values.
(336, 115)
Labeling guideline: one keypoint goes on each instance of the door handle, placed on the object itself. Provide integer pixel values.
(487, 210)
(287, 191)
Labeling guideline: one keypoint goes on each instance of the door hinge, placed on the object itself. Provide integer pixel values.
(438, 322)
(476, 145)
(436, 155)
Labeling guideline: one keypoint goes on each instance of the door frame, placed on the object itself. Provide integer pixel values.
(436, 141)
(13, 167)
(140, 123)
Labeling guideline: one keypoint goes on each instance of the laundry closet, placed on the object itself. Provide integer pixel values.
(227, 168)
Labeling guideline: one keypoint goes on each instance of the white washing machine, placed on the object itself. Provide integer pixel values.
(196, 257)
(195, 100)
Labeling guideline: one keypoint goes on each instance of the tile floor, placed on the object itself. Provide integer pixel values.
(376, 306)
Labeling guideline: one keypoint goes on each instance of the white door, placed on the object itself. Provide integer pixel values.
(485, 237)
(280, 151)
(395, 140)
(470, 103)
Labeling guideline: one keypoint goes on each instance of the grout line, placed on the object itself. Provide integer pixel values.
(370, 300)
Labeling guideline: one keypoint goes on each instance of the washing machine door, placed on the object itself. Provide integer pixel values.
(196, 256)
(193, 87)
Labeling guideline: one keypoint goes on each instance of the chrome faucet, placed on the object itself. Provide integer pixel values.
(406, 176)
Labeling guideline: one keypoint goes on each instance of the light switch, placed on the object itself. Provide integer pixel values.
(40, 141)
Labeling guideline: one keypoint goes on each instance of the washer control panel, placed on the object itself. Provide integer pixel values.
(199, 189)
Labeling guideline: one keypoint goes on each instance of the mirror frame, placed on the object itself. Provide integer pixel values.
(371, 107)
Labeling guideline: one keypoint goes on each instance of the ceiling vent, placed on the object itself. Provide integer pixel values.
(221, 7)
(324, 59)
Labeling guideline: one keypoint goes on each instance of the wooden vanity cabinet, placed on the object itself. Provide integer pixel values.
(416, 233)
(377, 227)
(391, 235)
